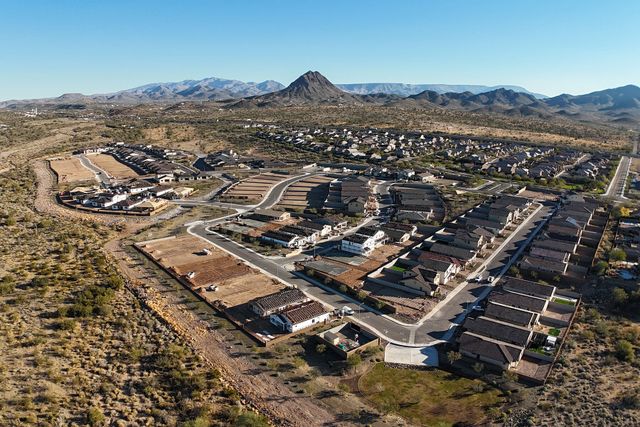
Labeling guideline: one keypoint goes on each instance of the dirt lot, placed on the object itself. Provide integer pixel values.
(237, 283)
(253, 189)
(536, 195)
(70, 170)
(309, 192)
(113, 167)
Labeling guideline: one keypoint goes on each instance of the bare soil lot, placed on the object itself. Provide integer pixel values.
(71, 170)
(113, 167)
(309, 192)
(237, 283)
(253, 189)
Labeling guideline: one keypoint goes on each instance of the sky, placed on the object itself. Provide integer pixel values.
(49, 48)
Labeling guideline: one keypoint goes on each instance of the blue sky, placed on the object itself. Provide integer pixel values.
(54, 47)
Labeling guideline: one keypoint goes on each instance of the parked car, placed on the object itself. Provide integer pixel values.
(347, 311)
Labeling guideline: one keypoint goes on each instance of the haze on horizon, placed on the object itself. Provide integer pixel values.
(547, 47)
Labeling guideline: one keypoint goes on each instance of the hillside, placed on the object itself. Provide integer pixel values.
(310, 88)
(404, 89)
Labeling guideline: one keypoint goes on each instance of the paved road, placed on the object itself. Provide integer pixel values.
(617, 184)
(439, 325)
(430, 331)
(101, 175)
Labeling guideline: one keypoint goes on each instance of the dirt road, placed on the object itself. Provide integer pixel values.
(262, 391)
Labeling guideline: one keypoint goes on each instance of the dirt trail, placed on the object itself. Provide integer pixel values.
(260, 389)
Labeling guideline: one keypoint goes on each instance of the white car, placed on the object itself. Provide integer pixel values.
(490, 279)
(347, 311)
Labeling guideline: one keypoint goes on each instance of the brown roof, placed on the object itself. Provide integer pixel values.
(280, 299)
(303, 312)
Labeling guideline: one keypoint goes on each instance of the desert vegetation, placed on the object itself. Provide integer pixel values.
(76, 346)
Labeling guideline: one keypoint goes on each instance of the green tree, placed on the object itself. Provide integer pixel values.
(321, 348)
(354, 360)
(601, 268)
(617, 254)
(619, 297)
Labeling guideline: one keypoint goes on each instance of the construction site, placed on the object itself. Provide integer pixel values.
(252, 190)
(69, 169)
(308, 193)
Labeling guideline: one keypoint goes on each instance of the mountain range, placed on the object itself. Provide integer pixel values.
(619, 106)
(217, 89)
(404, 89)
(616, 106)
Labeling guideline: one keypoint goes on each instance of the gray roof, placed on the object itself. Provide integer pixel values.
(525, 302)
(501, 352)
(498, 330)
(528, 287)
(509, 314)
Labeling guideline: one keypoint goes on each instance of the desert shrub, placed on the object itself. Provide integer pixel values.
(251, 419)
(95, 417)
(625, 351)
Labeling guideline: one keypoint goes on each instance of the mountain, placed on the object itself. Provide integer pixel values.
(208, 89)
(405, 90)
(620, 98)
(310, 88)
(505, 101)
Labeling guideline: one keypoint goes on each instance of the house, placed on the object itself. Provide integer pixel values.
(491, 351)
(565, 232)
(528, 287)
(550, 254)
(542, 265)
(493, 226)
(422, 279)
(270, 215)
(446, 269)
(337, 223)
(299, 317)
(322, 229)
(409, 228)
(463, 254)
(465, 238)
(287, 240)
(525, 302)
(277, 302)
(396, 235)
(305, 235)
(355, 205)
(359, 244)
(558, 245)
(511, 315)
(499, 330)
(456, 264)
